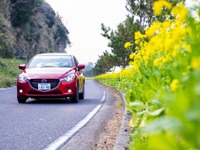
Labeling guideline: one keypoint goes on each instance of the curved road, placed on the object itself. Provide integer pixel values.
(36, 125)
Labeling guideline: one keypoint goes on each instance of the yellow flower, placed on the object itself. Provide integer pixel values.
(138, 35)
(157, 8)
(156, 62)
(153, 29)
(180, 12)
(166, 24)
(187, 47)
(175, 50)
(132, 55)
(196, 63)
(159, 5)
(137, 41)
(127, 45)
(150, 32)
(137, 48)
(174, 85)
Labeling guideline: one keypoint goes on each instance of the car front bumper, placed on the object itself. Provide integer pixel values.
(63, 89)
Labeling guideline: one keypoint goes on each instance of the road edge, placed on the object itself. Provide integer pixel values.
(122, 140)
(62, 140)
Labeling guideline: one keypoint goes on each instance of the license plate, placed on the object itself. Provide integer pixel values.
(44, 86)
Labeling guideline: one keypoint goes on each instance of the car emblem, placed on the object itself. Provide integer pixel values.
(44, 81)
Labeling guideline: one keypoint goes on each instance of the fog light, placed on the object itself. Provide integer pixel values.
(69, 90)
(20, 91)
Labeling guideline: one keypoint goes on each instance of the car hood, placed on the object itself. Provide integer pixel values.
(35, 73)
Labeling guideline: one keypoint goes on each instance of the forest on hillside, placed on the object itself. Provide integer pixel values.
(28, 27)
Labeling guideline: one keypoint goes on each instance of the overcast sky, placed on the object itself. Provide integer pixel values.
(83, 19)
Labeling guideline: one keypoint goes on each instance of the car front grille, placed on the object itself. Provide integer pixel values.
(34, 82)
(43, 93)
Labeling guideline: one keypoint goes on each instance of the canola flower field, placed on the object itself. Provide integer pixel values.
(162, 85)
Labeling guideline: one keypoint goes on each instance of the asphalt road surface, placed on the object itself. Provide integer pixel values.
(43, 124)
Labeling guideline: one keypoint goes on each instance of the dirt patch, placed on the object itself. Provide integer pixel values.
(108, 136)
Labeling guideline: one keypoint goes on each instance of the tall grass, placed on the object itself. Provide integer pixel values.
(9, 71)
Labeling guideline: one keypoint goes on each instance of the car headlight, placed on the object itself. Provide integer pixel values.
(69, 77)
(22, 78)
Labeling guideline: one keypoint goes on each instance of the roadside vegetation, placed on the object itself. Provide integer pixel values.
(162, 83)
(9, 71)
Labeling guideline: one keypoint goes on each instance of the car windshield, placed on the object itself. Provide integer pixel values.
(50, 61)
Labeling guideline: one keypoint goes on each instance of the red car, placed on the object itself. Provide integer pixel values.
(53, 75)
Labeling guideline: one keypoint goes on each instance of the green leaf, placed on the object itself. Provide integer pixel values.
(156, 103)
(162, 124)
(137, 105)
(157, 112)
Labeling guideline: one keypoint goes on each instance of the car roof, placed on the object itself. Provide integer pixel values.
(54, 54)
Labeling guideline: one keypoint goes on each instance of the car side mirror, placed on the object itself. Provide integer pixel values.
(22, 66)
(81, 66)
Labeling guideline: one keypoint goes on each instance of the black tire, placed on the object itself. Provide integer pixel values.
(82, 95)
(76, 97)
(21, 99)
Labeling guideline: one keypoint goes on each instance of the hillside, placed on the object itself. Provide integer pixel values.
(30, 27)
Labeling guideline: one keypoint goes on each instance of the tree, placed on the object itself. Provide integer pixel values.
(104, 63)
(60, 35)
(125, 32)
(49, 14)
(7, 38)
(22, 11)
(141, 11)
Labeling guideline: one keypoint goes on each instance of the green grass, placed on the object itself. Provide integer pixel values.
(9, 71)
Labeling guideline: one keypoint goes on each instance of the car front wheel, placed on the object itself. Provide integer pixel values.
(21, 99)
(75, 98)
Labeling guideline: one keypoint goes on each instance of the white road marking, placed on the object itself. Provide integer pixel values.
(61, 141)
